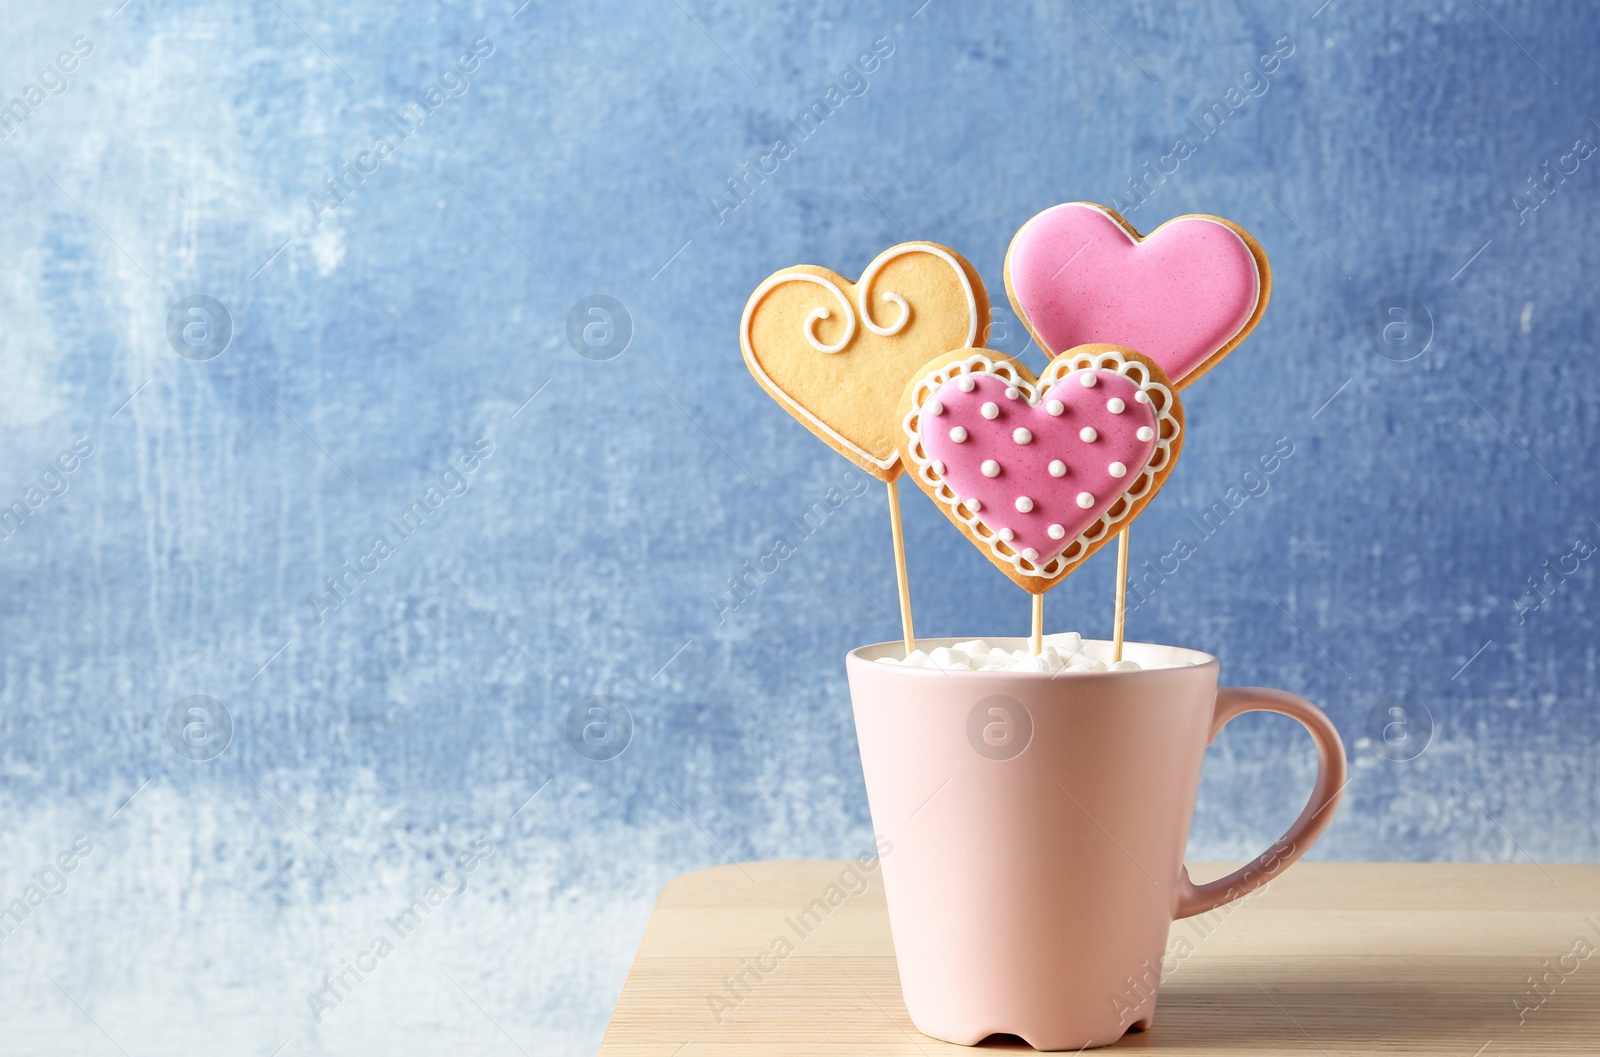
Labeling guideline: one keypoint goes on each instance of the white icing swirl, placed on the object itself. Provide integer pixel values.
(892, 329)
(905, 310)
(814, 315)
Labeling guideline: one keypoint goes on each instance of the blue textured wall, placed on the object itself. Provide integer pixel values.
(388, 338)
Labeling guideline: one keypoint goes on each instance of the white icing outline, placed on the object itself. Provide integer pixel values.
(1167, 431)
(1138, 240)
(850, 328)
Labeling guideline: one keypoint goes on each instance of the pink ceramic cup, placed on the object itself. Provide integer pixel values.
(1037, 826)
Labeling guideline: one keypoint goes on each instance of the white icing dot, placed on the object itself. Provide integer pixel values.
(1116, 406)
(965, 383)
(1085, 500)
(1088, 379)
(1022, 436)
(1116, 469)
(1058, 468)
(991, 468)
(935, 408)
(959, 435)
(1012, 392)
(1006, 534)
(991, 410)
(1146, 433)
(1024, 504)
(1030, 554)
(1088, 435)
(938, 468)
(974, 506)
(1055, 407)
(1142, 396)
(1056, 532)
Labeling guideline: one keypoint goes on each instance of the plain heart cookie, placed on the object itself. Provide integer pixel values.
(1185, 295)
(836, 354)
(1041, 472)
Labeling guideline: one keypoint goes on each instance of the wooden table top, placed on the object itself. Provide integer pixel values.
(1330, 959)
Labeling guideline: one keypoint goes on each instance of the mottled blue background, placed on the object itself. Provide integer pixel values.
(374, 342)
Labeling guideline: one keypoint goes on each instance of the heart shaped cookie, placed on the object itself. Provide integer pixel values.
(1185, 295)
(1041, 472)
(835, 354)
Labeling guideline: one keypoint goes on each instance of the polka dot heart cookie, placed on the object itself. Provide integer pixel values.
(1041, 472)
(834, 353)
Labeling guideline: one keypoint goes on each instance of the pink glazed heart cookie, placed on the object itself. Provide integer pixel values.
(1185, 295)
(1040, 473)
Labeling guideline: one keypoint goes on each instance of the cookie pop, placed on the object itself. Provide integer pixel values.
(835, 354)
(1185, 296)
(1039, 473)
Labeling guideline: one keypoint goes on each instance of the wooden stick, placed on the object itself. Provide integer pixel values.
(900, 567)
(1122, 597)
(1038, 625)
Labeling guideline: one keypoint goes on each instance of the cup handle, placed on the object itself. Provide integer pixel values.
(1235, 701)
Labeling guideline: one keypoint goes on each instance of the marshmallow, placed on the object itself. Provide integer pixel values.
(1062, 652)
